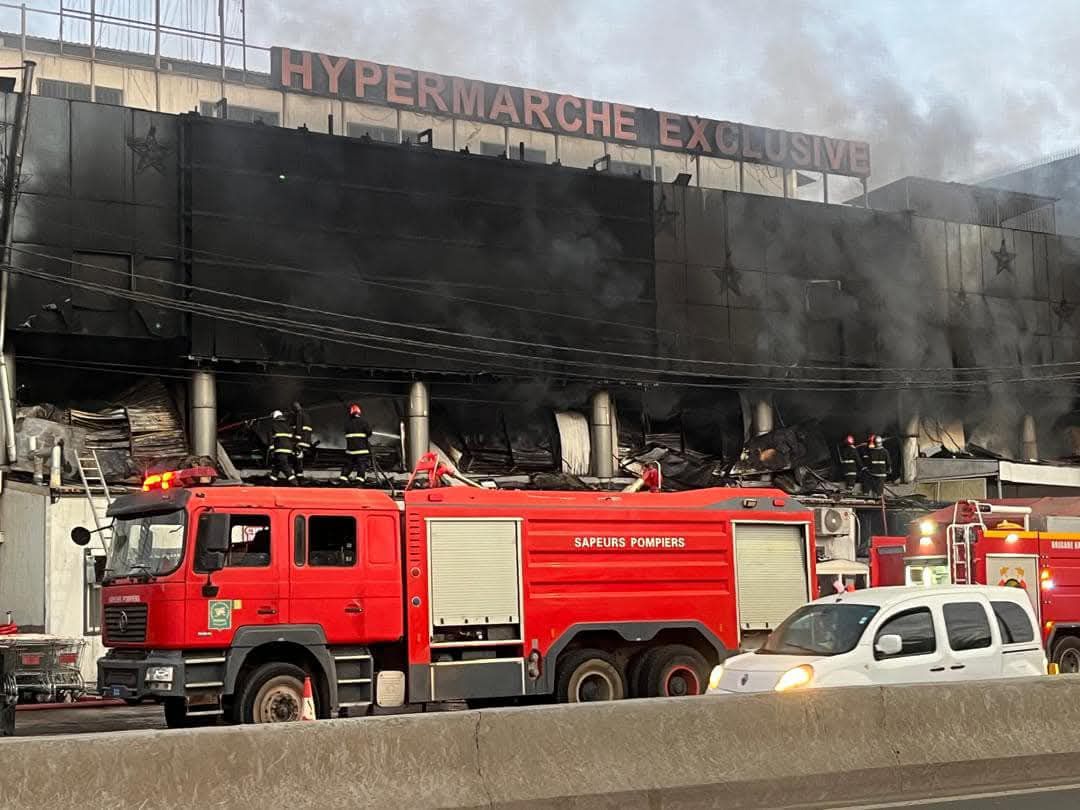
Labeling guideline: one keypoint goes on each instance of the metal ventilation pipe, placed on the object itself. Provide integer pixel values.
(1029, 438)
(603, 462)
(419, 426)
(204, 414)
(909, 446)
(763, 417)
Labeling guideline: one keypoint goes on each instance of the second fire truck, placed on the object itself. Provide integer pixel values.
(1033, 544)
(222, 600)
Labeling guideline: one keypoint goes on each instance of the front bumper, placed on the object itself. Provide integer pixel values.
(124, 676)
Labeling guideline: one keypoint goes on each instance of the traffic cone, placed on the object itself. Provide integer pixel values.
(307, 708)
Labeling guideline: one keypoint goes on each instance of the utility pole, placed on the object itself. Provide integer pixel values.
(10, 198)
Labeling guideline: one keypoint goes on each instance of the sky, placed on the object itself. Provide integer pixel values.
(953, 89)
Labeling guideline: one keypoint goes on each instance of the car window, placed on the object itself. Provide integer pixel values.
(830, 629)
(967, 626)
(916, 630)
(1014, 623)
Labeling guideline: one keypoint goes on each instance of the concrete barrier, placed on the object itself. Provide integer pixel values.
(811, 749)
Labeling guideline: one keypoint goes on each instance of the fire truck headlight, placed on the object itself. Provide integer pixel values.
(795, 678)
(715, 676)
(159, 675)
(927, 527)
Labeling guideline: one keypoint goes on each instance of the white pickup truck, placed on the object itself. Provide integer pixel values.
(885, 636)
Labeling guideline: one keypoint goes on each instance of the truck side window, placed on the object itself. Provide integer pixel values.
(331, 541)
(249, 541)
(967, 625)
(1013, 622)
(916, 631)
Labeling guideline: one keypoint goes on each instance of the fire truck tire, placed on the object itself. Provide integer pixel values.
(675, 671)
(589, 675)
(1067, 655)
(273, 693)
(635, 674)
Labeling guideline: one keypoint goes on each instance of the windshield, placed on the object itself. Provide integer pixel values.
(146, 546)
(820, 630)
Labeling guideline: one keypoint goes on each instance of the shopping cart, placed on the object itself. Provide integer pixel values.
(39, 668)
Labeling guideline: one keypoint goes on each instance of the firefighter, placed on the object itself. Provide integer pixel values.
(849, 462)
(877, 458)
(302, 434)
(357, 446)
(282, 449)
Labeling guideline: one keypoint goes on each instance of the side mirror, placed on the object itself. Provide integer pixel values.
(889, 645)
(80, 536)
(212, 541)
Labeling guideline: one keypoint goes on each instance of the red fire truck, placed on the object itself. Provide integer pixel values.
(1032, 544)
(222, 599)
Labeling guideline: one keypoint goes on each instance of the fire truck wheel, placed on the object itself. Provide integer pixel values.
(635, 674)
(675, 671)
(589, 675)
(274, 693)
(1067, 655)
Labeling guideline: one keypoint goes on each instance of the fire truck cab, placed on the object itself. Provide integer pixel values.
(221, 600)
(1031, 544)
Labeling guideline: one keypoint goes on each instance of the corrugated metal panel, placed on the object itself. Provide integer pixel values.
(474, 572)
(771, 578)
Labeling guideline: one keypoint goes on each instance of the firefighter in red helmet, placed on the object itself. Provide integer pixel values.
(357, 445)
(849, 462)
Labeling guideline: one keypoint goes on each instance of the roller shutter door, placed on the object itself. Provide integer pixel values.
(770, 570)
(474, 572)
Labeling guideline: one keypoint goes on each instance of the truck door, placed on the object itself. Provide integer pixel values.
(771, 574)
(248, 585)
(973, 652)
(345, 575)
(1015, 571)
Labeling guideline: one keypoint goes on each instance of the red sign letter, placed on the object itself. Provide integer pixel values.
(670, 130)
(697, 135)
(288, 69)
(601, 117)
(727, 139)
(398, 81)
(333, 71)
(536, 103)
(504, 105)
(860, 158)
(468, 97)
(560, 113)
(432, 86)
(625, 122)
(367, 73)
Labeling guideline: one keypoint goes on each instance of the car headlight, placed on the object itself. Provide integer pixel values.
(795, 678)
(715, 676)
(159, 675)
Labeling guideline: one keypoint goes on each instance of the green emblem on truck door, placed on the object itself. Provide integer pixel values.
(220, 615)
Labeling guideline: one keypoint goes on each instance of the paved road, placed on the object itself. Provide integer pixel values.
(79, 721)
(1066, 797)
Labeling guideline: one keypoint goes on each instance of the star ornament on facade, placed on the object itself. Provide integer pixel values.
(151, 152)
(1003, 258)
(729, 277)
(1064, 310)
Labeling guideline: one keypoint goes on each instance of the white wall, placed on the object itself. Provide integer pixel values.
(22, 555)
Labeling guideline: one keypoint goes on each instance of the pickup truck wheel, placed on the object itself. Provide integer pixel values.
(675, 671)
(274, 693)
(586, 676)
(1067, 655)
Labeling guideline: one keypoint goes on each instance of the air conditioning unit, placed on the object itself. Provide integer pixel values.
(833, 521)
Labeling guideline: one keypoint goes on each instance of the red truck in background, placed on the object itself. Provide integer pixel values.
(1032, 544)
(221, 599)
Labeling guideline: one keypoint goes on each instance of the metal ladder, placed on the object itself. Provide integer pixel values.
(96, 489)
(960, 554)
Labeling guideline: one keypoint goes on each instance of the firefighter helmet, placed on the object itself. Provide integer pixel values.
(878, 442)
(276, 414)
(849, 439)
(870, 440)
(354, 409)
